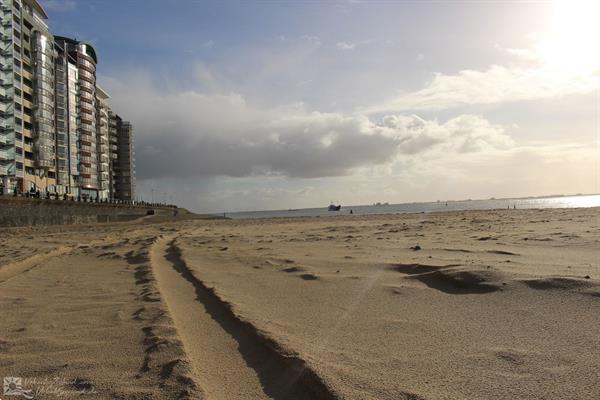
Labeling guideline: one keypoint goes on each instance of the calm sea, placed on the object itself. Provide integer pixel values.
(539, 202)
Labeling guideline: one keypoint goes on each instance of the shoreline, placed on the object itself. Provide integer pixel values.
(421, 203)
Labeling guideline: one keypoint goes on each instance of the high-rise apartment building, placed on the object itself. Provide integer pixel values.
(27, 138)
(125, 177)
(102, 142)
(55, 122)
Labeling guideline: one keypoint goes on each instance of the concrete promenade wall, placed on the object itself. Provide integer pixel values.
(16, 211)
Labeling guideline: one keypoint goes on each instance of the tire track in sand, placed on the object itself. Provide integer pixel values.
(230, 358)
(13, 269)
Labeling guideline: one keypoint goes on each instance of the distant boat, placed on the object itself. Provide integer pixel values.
(333, 207)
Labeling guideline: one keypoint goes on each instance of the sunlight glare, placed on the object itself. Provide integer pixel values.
(571, 46)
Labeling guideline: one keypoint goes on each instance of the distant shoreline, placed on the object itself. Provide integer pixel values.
(555, 201)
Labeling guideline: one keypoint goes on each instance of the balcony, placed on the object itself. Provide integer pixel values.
(8, 82)
(85, 57)
(7, 97)
(7, 154)
(84, 170)
(88, 68)
(88, 183)
(6, 139)
(86, 76)
(6, 128)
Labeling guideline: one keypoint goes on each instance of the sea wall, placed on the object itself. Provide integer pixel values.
(16, 211)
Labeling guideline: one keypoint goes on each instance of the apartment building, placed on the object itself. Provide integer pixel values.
(55, 121)
(124, 167)
(102, 143)
(27, 138)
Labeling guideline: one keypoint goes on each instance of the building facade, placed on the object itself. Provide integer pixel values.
(125, 172)
(55, 122)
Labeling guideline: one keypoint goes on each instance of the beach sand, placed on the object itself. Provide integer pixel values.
(463, 305)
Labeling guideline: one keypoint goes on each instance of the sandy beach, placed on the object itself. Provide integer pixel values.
(461, 305)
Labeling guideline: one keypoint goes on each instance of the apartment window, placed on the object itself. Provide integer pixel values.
(27, 96)
(16, 5)
(17, 34)
(28, 82)
(25, 37)
(29, 155)
(29, 171)
(28, 111)
(27, 24)
(19, 151)
(18, 107)
(27, 68)
(18, 48)
(18, 136)
(17, 62)
(51, 175)
(17, 77)
(28, 125)
(18, 92)
(18, 121)
(16, 19)
(20, 166)
(27, 53)
(28, 141)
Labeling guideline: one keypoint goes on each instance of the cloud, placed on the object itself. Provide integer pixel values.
(195, 134)
(315, 40)
(353, 45)
(60, 5)
(550, 68)
(495, 85)
(345, 45)
(208, 44)
(462, 134)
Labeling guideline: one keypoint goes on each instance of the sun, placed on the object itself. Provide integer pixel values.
(571, 46)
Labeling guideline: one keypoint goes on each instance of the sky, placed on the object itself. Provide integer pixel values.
(241, 105)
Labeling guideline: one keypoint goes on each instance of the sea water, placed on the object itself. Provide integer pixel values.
(437, 206)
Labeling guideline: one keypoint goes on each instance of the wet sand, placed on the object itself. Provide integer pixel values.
(463, 305)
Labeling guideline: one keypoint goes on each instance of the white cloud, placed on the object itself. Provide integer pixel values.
(352, 45)
(345, 45)
(312, 39)
(208, 43)
(497, 84)
(198, 134)
(462, 134)
(550, 68)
